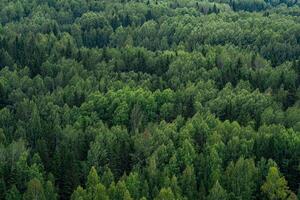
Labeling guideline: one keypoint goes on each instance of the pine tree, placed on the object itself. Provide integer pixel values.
(35, 190)
(119, 191)
(107, 178)
(275, 186)
(100, 192)
(2, 188)
(35, 128)
(13, 194)
(79, 194)
(133, 184)
(188, 183)
(241, 178)
(215, 9)
(217, 193)
(145, 190)
(50, 192)
(175, 187)
(92, 181)
(93, 178)
(2, 135)
(165, 194)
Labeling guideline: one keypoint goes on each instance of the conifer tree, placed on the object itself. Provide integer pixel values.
(275, 186)
(35, 190)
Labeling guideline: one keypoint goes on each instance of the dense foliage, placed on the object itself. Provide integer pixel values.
(149, 99)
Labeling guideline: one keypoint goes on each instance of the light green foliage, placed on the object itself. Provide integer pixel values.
(275, 186)
(34, 190)
(217, 192)
(165, 194)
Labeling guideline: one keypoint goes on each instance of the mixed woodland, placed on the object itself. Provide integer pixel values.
(149, 99)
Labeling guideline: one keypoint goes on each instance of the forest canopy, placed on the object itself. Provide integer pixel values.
(149, 99)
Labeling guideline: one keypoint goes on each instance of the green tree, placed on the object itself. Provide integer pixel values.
(188, 183)
(35, 190)
(2, 188)
(134, 184)
(275, 186)
(217, 192)
(119, 191)
(165, 194)
(100, 192)
(92, 187)
(107, 178)
(79, 194)
(35, 128)
(50, 192)
(13, 194)
(241, 178)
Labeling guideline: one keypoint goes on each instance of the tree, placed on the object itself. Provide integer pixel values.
(119, 191)
(2, 136)
(215, 9)
(217, 192)
(188, 183)
(136, 118)
(13, 194)
(79, 194)
(35, 190)
(50, 192)
(210, 166)
(92, 181)
(186, 154)
(165, 194)
(35, 128)
(111, 148)
(275, 186)
(133, 183)
(2, 188)
(100, 192)
(121, 114)
(94, 189)
(241, 178)
(107, 178)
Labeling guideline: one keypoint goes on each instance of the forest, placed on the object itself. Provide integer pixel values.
(149, 100)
